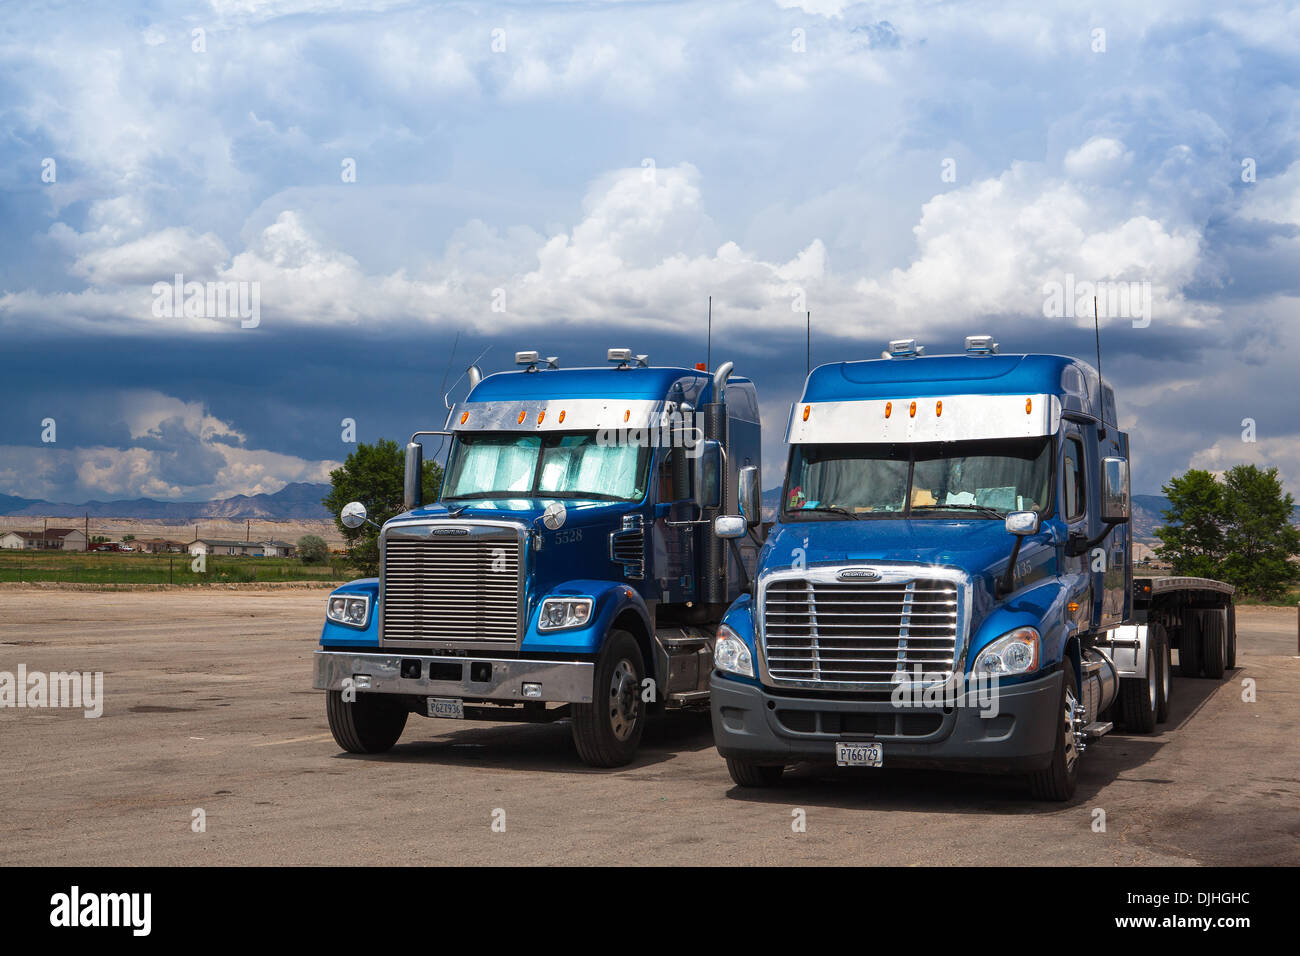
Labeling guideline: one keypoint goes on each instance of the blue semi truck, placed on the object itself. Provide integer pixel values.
(949, 580)
(569, 568)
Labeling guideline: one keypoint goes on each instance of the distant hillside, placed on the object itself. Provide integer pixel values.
(298, 501)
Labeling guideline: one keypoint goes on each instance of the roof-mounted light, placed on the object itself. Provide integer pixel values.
(526, 358)
(905, 348)
(625, 357)
(981, 345)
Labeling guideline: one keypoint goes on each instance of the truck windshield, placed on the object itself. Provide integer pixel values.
(975, 478)
(557, 465)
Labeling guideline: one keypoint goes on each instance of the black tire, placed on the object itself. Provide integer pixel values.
(747, 773)
(369, 725)
(1231, 662)
(1139, 697)
(1189, 645)
(1166, 671)
(608, 731)
(1059, 778)
(1214, 644)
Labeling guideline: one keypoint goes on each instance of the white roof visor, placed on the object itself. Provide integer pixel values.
(560, 415)
(934, 418)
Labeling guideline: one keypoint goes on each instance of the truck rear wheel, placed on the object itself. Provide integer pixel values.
(1189, 645)
(607, 731)
(747, 773)
(1166, 673)
(1139, 697)
(1059, 778)
(369, 725)
(1214, 643)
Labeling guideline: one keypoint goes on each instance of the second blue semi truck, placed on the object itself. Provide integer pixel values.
(569, 567)
(949, 580)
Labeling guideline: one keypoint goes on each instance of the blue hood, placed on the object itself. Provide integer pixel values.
(977, 546)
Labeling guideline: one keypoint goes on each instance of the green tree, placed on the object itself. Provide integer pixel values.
(374, 475)
(1193, 538)
(312, 549)
(1259, 538)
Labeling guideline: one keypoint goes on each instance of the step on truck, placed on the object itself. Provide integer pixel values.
(569, 568)
(949, 580)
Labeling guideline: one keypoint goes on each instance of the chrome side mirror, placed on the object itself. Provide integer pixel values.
(353, 514)
(1023, 523)
(730, 526)
(412, 496)
(751, 496)
(1114, 490)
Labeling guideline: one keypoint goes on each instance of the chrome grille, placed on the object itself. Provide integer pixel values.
(859, 633)
(461, 589)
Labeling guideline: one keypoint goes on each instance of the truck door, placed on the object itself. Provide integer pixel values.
(1074, 511)
(672, 549)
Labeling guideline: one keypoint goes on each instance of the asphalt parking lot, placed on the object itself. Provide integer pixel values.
(208, 707)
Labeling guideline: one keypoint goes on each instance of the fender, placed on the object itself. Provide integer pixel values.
(740, 618)
(610, 599)
(342, 635)
(1043, 608)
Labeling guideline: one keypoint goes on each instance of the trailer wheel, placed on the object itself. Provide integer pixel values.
(1139, 697)
(1231, 662)
(1214, 644)
(1166, 671)
(1058, 780)
(1189, 644)
(746, 773)
(607, 731)
(369, 725)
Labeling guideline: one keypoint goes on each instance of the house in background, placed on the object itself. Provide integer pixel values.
(51, 539)
(224, 546)
(158, 546)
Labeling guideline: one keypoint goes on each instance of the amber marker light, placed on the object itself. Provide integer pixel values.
(627, 414)
(561, 418)
(521, 416)
(911, 412)
(1029, 405)
(540, 416)
(938, 408)
(464, 417)
(1072, 606)
(889, 409)
(806, 410)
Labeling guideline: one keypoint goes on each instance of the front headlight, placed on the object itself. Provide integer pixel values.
(350, 609)
(557, 614)
(731, 654)
(1013, 653)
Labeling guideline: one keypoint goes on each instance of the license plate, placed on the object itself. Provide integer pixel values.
(869, 754)
(447, 707)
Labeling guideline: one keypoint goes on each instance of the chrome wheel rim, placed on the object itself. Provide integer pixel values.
(1153, 679)
(624, 702)
(1165, 677)
(1071, 746)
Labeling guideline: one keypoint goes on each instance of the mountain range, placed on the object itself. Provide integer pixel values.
(296, 501)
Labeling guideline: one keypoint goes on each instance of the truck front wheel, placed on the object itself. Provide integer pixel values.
(746, 773)
(607, 731)
(1058, 779)
(370, 724)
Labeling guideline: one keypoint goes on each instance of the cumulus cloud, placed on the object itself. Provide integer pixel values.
(177, 451)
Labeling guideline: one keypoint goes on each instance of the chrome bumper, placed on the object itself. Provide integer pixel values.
(482, 678)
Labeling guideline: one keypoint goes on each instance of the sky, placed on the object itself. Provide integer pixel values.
(399, 188)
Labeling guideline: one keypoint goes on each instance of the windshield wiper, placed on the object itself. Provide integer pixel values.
(836, 509)
(982, 509)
